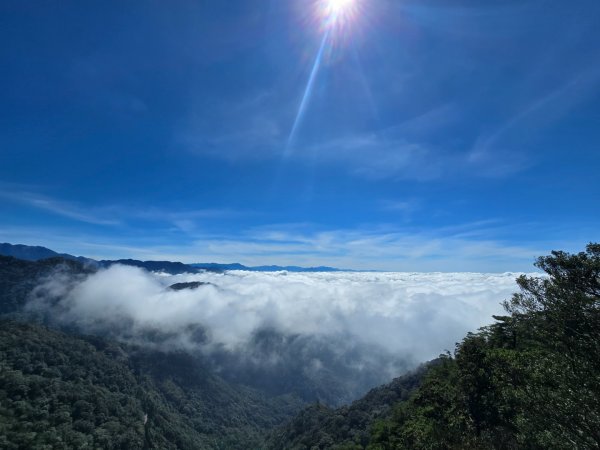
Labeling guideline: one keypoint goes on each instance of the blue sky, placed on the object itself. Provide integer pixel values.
(408, 135)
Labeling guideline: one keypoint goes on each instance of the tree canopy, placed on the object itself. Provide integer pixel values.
(530, 380)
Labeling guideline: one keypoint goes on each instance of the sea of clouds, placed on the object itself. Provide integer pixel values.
(416, 315)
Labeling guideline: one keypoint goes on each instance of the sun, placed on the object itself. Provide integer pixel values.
(339, 6)
(337, 12)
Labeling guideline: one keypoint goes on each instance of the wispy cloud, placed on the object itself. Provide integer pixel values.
(471, 247)
(186, 220)
(403, 151)
(256, 129)
(373, 249)
(499, 152)
(405, 206)
(69, 210)
(377, 157)
(250, 128)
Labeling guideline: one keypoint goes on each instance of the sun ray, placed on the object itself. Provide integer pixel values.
(307, 93)
(334, 16)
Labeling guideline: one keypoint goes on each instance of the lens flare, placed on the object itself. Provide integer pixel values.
(335, 18)
(339, 6)
(338, 13)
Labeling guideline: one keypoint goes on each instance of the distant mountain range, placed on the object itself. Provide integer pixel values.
(173, 268)
(36, 253)
(237, 266)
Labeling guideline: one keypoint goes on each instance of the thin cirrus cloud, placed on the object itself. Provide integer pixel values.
(60, 208)
(471, 247)
(535, 115)
(116, 215)
(403, 206)
(187, 221)
(200, 236)
(463, 249)
(403, 151)
(376, 157)
(372, 155)
(250, 128)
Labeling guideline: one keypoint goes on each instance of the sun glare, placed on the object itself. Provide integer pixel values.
(335, 20)
(339, 6)
(338, 12)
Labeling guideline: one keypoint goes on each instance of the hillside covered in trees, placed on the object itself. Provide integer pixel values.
(63, 391)
(19, 277)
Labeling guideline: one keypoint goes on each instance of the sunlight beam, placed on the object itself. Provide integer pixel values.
(307, 94)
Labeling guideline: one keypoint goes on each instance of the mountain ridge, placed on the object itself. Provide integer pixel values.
(36, 253)
(264, 268)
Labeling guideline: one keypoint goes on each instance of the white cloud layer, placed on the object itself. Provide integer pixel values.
(413, 315)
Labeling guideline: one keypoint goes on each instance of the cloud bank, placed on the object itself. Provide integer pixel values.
(321, 336)
(417, 315)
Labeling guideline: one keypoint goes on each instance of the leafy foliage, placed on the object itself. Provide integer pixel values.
(321, 427)
(531, 380)
(62, 391)
(19, 277)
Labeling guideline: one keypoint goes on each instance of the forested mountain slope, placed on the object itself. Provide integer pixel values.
(19, 277)
(63, 391)
(347, 427)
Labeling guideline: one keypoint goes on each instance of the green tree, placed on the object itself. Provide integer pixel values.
(530, 380)
(557, 319)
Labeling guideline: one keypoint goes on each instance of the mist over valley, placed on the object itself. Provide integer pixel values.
(324, 336)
